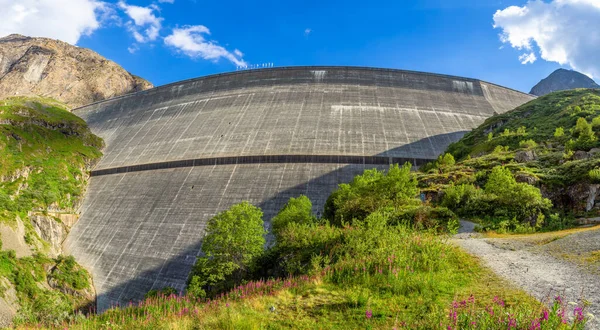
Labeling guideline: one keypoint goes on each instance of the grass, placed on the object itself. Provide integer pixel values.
(420, 286)
(542, 238)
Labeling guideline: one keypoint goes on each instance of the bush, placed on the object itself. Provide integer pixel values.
(528, 144)
(502, 203)
(234, 238)
(371, 191)
(296, 210)
(68, 274)
(594, 175)
(446, 160)
(519, 200)
(426, 217)
(559, 132)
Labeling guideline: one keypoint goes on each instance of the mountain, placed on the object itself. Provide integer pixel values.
(52, 68)
(561, 80)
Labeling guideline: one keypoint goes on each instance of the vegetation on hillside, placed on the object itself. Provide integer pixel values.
(526, 170)
(369, 263)
(45, 152)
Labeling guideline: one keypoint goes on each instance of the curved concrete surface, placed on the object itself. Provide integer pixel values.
(178, 154)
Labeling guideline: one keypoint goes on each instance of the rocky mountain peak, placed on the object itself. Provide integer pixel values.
(563, 79)
(56, 69)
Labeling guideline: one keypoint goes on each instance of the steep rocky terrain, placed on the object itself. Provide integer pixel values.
(52, 68)
(561, 80)
(45, 156)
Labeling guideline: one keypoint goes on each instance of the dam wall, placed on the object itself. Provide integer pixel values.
(178, 154)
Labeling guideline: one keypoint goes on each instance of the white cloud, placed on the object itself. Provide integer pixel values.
(562, 31)
(166, 1)
(66, 20)
(190, 41)
(307, 32)
(527, 58)
(144, 25)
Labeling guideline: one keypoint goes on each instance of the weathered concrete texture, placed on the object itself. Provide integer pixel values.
(325, 111)
(142, 229)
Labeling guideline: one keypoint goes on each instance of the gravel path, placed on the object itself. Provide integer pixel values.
(534, 270)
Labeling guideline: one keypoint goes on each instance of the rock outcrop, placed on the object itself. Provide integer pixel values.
(561, 80)
(52, 68)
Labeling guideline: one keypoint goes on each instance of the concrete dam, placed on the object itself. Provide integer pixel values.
(178, 154)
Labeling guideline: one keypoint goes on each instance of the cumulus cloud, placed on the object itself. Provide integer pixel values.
(66, 20)
(562, 31)
(144, 25)
(191, 41)
(307, 32)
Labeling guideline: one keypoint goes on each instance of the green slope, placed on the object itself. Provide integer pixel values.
(550, 143)
(45, 153)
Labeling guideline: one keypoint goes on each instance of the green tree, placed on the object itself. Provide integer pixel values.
(370, 191)
(596, 123)
(296, 210)
(559, 132)
(234, 238)
(584, 133)
(513, 199)
(446, 160)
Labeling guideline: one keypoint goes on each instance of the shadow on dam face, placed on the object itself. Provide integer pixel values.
(149, 239)
(178, 154)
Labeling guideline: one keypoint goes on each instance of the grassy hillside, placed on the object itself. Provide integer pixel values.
(550, 143)
(45, 153)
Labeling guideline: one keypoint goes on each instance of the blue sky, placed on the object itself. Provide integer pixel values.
(441, 36)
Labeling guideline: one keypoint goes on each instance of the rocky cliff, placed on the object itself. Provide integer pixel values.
(561, 80)
(52, 68)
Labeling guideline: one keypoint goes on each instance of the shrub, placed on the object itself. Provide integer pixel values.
(596, 123)
(68, 274)
(584, 133)
(296, 210)
(446, 160)
(502, 200)
(370, 191)
(528, 144)
(513, 199)
(426, 217)
(559, 132)
(594, 175)
(234, 238)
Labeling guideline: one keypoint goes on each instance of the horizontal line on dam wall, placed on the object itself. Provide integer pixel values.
(264, 159)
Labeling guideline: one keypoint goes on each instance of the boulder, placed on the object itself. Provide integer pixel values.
(526, 178)
(579, 155)
(525, 156)
(49, 230)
